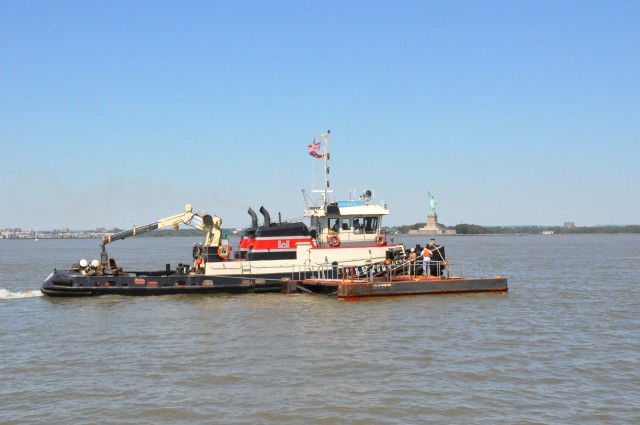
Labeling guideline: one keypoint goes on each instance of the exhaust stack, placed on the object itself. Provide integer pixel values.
(267, 217)
(254, 218)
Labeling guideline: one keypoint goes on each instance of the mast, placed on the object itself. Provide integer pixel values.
(313, 151)
(325, 137)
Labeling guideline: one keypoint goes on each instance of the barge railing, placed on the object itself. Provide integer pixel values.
(369, 273)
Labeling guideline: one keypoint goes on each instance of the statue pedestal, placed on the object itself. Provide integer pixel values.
(432, 227)
(432, 222)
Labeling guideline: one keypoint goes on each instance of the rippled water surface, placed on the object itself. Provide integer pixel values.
(563, 346)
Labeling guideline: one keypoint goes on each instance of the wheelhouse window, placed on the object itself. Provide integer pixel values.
(370, 224)
(358, 224)
(346, 224)
(334, 225)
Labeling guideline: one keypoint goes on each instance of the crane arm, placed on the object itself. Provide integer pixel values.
(209, 224)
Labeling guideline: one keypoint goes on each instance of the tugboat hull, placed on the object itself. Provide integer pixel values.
(73, 284)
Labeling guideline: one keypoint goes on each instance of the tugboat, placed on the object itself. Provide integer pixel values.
(341, 235)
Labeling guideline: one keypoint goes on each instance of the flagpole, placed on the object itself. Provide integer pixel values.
(313, 151)
(325, 136)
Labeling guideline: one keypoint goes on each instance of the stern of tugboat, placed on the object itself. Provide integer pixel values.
(60, 284)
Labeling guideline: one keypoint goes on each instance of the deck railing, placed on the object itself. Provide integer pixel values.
(368, 273)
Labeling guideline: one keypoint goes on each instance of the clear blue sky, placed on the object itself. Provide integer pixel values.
(509, 112)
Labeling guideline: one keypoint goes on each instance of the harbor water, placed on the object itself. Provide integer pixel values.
(561, 347)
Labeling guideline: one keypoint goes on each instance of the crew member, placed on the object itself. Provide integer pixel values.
(426, 260)
(412, 259)
(336, 227)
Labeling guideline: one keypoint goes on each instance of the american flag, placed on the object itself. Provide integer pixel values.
(313, 147)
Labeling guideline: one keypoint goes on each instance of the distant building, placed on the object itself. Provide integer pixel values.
(569, 225)
(10, 233)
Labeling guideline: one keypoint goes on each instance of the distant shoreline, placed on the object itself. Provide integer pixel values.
(474, 229)
(189, 233)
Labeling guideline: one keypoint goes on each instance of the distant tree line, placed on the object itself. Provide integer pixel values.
(471, 229)
(407, 227)
(474, 229)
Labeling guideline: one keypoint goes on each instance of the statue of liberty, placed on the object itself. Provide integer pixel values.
(432, 203)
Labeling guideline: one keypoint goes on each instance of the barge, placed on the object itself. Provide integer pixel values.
(398, 276)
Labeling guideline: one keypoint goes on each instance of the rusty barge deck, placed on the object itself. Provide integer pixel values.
(402, 285)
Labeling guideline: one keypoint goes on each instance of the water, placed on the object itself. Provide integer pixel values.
(562, 347)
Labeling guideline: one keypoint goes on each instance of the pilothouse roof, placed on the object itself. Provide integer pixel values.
(348, 209)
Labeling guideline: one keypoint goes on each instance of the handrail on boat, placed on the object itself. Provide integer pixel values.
(367, 273)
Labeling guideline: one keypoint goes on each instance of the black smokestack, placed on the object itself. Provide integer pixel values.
(254, 218)
(267, 217)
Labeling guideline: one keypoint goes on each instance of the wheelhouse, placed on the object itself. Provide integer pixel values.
(354, 222)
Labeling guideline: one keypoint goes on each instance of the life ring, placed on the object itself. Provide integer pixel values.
(381, 240)
(223, 251)
(334, 240)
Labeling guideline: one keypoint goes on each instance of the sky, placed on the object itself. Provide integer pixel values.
(115, 114)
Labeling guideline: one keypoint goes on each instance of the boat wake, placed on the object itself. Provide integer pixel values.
(5, 294)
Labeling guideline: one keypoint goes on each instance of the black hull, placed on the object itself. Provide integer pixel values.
(73, 284)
